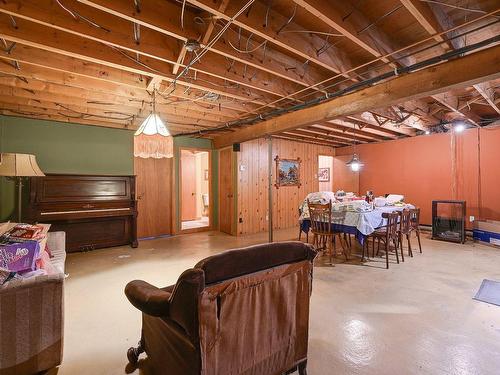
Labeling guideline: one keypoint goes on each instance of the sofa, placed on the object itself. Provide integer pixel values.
(244, 311)
(32, 318)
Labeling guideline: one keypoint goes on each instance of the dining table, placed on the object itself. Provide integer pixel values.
(358, 223)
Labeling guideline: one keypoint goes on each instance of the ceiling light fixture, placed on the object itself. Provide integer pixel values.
(427, 132)
(355, 163)
(153, 139)
(459, 126)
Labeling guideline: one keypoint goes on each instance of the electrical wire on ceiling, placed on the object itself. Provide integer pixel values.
(377, 21)
(363, 84)
(78, 16)
(209, 45)
(382, 65)
(288, 21)
(442, 3)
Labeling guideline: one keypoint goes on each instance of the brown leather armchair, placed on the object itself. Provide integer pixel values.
(244, 311)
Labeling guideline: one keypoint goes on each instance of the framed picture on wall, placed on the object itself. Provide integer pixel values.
(324, 175)
(287, 172)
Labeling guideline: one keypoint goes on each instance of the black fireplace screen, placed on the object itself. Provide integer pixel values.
(448, 221)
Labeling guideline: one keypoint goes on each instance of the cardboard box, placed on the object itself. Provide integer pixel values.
(487, 231)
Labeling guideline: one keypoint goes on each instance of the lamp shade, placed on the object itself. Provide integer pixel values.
(153, 125)
(19, 165)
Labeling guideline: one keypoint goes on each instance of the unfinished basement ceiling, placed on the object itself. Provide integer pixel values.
(97, 62)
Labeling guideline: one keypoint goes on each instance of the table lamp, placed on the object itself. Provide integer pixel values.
(17, 166)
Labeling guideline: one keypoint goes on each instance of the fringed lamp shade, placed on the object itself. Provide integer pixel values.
(153, 140)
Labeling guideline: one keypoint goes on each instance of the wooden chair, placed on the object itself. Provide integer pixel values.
(415, 224)
(405, 230)
(300, 230)
(322, 229)
(386, 234)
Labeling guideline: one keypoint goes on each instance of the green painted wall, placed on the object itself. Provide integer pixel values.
(64, 148)
(187, 142)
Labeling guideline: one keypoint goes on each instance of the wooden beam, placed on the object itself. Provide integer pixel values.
(332, 14)
(488, 93)
(348, 131)
(101, 75)
(151, 44)
(36, 78)
(302, 45)
(426, 18)
(318, 135)
(295, 139)
(468, 70)
(451, 101)
(68, 44)
(152, 15)
(298, 136)
(338, 134)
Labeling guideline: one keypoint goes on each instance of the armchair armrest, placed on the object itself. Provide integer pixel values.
(148, 298)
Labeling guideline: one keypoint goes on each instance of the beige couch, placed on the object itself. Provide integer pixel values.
(32, 318)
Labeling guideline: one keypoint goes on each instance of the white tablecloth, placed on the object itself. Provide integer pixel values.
(365, 222)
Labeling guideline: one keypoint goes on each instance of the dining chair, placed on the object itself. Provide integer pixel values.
(324, 236)
(415, 224)
(301, 230)
(387, 234)
(405, 230)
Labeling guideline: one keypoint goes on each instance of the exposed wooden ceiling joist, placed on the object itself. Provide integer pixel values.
(451, 101)
(426, 18)
(116, 32)
(152, 15)
(34, 35)
(468, 70)
(488, 93)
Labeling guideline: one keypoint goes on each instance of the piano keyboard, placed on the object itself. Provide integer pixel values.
(83, 211)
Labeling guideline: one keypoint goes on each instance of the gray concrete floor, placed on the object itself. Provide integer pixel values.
(415, 318)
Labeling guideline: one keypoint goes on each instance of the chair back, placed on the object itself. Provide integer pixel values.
(414, 218)
(392, 224)
(257, 309)
(404, 221)
(321, 217)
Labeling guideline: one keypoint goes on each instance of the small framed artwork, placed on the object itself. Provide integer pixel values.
(324, 175)
(287, 172)
(206, 174)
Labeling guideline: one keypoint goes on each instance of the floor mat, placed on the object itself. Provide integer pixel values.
(489, 292)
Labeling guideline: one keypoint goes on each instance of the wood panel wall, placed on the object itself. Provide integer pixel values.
(252, 199)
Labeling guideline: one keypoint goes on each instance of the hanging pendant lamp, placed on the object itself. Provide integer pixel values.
(355, 163)
(153, 139)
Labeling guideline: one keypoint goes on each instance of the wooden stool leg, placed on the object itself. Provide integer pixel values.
(418, 237)
(410, 252)
(394, 241)
(387, 254)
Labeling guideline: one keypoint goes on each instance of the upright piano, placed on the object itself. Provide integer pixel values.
(94, 211)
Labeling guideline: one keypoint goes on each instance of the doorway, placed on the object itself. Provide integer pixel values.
(195, 189)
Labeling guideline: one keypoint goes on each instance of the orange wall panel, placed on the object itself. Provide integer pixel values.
(439, 166)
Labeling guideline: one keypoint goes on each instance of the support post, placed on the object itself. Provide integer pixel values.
(270, 186)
